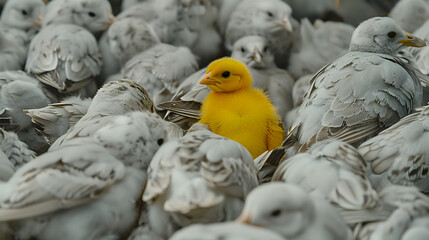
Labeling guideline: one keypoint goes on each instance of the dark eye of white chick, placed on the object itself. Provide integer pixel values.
(243, 50)
(391, 34)
(276, 213)
(265, 49)
(91, 14)
(270, 14)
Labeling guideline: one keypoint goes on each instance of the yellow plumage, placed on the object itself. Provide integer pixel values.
(235, 110)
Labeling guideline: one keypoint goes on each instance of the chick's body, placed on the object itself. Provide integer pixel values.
(238, 112)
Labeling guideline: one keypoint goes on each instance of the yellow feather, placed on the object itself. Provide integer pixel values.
(246, 114)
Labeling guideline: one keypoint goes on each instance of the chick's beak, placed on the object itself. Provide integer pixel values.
(208, 80)
(412, 41)
(257, 55)
(244, 218)
(38, 22)
(285, 23)
(112, 19)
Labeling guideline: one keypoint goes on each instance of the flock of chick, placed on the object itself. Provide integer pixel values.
(127, 120)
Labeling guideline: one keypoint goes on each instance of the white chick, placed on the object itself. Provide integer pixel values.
(16, 152)
(408, 219)
(333, 169)
(129, 36)
(199, 178)
(290, 211)
(161, 67)
(22, 14)
(398, 155)
(56, 119)
(93, 15)
(65, 57)
(271, 19)
(363, 92)
(93, 184)
(114, 98)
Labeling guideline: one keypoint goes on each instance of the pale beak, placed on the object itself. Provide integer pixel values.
(208, 80)
(39, 20)
(412, 41)
(337, 3)
(244, 218)
(257, 55)
(285, 24)
(112, 19)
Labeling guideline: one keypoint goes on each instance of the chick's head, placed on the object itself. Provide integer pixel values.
(382, 35)
(227, 75)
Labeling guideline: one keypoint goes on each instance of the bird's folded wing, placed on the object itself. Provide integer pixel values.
(399, 151)
(349, 134)
(192, 195)
(343, 178)
(52, 78)
(231, 176)
(174, 67)
(139, 69)
(17, 152)
(353, 191)
(190, 86)
(67, 177)
(85, 127)
(168, 65)
(265, 166)
(159, 171)
(360, 87)
(55, 119)
(228, 167)
(72, 46)
(183, 108)
(365, 215)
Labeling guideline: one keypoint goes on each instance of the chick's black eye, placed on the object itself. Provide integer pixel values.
(242, 49)
(276, 213)
(226, 74)
(265, 49)
(91, 14)
(160, 141)
(270, 14)
(391, 34)
(24, 12)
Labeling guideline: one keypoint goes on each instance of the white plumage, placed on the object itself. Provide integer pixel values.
(201, 177)
(398, 155)
(293, 213)
(364, 91)
(65, 57)
(271, 19)
(55, 119)
(113, 99)
(333, 169)
(98, 180)
(93, 15)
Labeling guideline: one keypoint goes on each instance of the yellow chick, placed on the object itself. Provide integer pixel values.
(236, 111)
